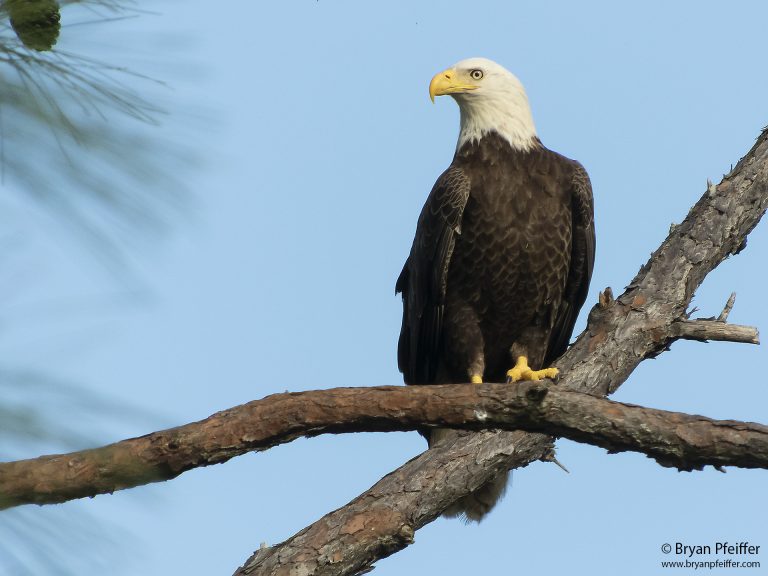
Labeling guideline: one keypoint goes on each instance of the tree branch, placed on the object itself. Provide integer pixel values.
(672, 439)
(727, 308)
(641, 323)
(620, 334)
(706, 330)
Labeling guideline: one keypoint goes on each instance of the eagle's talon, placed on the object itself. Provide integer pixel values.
(546, 373)
(516, 374)
(522, 371)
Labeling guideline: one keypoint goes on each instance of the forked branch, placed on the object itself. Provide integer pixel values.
(621, 333)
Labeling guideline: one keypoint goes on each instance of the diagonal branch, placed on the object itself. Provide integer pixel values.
(672, 439)
(620, 334)
(641, 323)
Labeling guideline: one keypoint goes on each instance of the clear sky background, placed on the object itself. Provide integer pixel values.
(316, 146)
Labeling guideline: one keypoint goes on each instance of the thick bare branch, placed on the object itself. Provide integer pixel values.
(620, 334)
(672, 439)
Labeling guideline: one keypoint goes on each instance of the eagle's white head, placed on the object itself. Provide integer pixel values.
(491, 99)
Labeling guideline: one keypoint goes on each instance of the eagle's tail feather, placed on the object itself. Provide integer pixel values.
(476, 505)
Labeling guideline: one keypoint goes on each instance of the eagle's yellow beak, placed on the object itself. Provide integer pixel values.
(446, 82)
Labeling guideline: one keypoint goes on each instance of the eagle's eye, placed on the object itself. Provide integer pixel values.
(476, 74)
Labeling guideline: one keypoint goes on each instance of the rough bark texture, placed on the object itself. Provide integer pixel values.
(640, 324)
(672, 439)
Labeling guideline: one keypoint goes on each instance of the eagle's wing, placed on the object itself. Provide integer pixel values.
(582, 262)
(423, 279)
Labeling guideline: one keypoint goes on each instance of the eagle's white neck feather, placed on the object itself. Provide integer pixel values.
(499, 105)
(512, 120)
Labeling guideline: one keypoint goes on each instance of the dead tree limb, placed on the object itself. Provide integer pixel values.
(620, 334)
(672, 439)
(706, 330)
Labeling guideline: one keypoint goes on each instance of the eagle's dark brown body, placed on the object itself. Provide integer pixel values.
(502, 257)
(500, 264)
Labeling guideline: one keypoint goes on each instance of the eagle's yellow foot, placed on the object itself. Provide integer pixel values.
(476, 379)
(522, 371)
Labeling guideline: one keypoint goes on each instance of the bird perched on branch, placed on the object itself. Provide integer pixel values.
(503, 253)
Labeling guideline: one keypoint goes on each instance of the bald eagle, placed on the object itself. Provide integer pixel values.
(503, 253)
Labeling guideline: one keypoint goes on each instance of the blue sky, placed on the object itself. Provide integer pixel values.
(317, 145)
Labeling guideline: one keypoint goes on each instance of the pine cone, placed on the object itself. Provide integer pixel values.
(36, 22)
